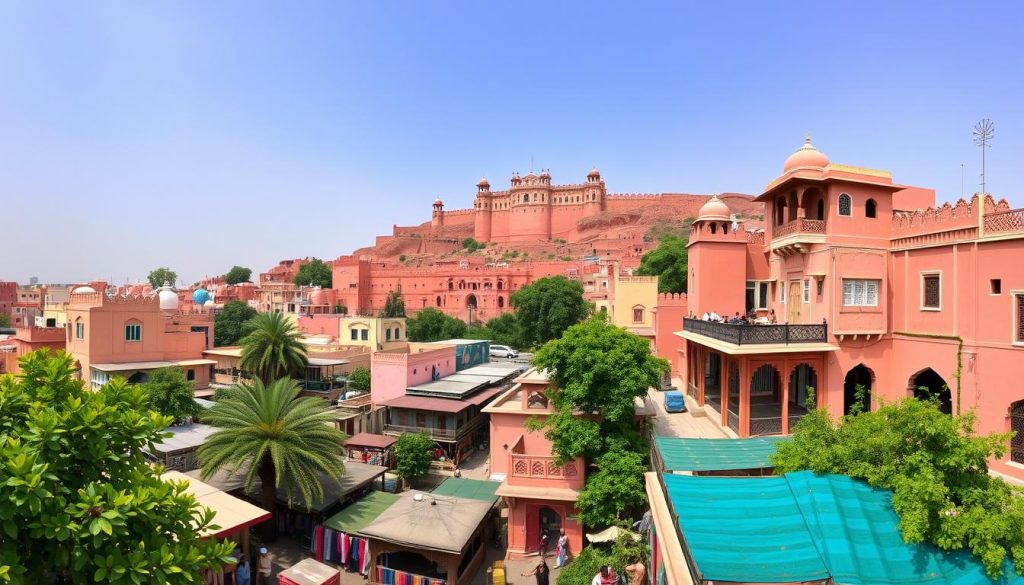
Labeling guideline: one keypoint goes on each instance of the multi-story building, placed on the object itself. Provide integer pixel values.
(867, 286)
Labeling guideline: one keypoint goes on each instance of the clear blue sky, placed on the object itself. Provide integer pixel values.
(204, 134)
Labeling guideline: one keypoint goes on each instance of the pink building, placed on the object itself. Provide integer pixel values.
(130, 336)
(869, 288)
(541, 495)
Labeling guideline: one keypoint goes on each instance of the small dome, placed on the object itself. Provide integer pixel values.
(714, 210)
(438, 201)
(168, 300)
(483, 183)
(84, 290)
(545, 174)
(200, 296)
(805, 156)
(594, 173)
(209, 303)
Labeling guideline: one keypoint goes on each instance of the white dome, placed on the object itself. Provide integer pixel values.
(82, 290)
(209, 303)
(168, 300)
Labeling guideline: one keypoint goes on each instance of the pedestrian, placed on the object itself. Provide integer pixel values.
(243, 572)
(561, 548)
(263, 568)
(543, 543)
(540, 572)
(637, 573)
(606, 576)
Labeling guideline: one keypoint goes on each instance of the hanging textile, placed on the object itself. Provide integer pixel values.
(344, 549)
(387, 576)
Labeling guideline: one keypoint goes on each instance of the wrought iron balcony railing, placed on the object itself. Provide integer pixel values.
(758, 334)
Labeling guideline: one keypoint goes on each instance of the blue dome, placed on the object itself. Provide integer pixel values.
(200, 296)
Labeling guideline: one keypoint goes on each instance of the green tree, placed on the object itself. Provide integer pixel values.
(547, 307)
(413, 454)
(162, 275)
(273, 348)
(229, 324)
(5, 320)
(237, 274)
(472, 245)
(315, 272)
(429, 324)
(359, 379)
(394, 306)
(616, 488)
(935, 465)
(505, 330)
(668, 263)
(80, 503)
(271, 433)
(170, 393)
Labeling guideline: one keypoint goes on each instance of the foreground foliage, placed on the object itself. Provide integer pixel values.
(547, 307)
(413, 454)
(503, 330)
(272, 433)
(273, 348)
(935, 466)
(584, 565)
(79, 503)
(429, 324)
(169, 393)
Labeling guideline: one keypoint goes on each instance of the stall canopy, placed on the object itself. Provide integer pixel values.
(471, 489)
(683, 454)
(232, 514)
(805, 527)
(370, 440)
(359, 514)
(421, 520)
(309, 572)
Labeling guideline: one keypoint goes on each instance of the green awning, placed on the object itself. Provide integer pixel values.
(471, 489)
(361, 513)
(804, 527)
(679, 454)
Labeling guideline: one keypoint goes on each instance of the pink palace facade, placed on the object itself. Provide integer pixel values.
(871, 285)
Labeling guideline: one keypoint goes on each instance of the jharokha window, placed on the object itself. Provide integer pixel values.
(931, 293)
(638, 314)
(845, 205)
(1018, 302)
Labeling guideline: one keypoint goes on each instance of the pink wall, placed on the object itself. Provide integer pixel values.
(394, 372)
(668, 318)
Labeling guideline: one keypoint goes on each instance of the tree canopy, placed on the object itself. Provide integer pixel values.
(5, 320)
(359, 379)
(158, 276)
(503, 330)
(237, 274)
(80, 502)
(614, 489)
(429, 324)
(547, 307)
(316, 273)
(413, 454)
(273, 348)
(668, 263)
(229, 324)
(394, 306)
(271, 432)
(935, 465)
(169, 392)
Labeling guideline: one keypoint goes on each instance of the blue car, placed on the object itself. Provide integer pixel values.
(674, 401)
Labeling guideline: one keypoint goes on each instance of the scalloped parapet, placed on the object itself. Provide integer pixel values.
(947, 217)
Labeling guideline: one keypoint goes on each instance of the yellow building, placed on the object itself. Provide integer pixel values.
(374, 333)
(632, 303)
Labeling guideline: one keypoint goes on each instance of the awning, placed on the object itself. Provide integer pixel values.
(129, 366)
(449, 405)
(611, 534)
(540, 493)
(370, 440)
(316, 362)
(309, 572)
(470, 489)
(225, 352)
(359, 514)
(422, 521)
(232, 514)
(687, 454)
(198, 362)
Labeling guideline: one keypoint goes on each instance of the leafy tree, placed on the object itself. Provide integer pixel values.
(229, 325)
(271, 433)
(413, 454)
(505, 330)
(170, 393)
(935, 466)
(614, 489)
(429, 324)
(273, 348)
(159, 276)
(394, 306)
(5, 320)
(237, 274)
(315, 272)
(359, 379)
(80, 503)
(547, 307)
(472, 245)
(668, 263)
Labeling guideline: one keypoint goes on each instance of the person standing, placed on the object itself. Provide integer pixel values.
(243, 572)
(606, 576)
(561, 548)
(540, 572)
(543, 544)
(263, 568)
(637, 573)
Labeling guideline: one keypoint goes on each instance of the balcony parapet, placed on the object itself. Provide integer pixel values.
(758, 334)
(791, 236)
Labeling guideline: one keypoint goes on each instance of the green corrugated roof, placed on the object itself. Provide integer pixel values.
(361, 513)
(804, 527)
(473, 489)
(679, 454)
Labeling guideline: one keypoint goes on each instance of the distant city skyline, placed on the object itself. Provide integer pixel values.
(199, 136)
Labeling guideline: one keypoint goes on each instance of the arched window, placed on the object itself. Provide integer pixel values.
(845, 205)
(501, 284)
(870, 208)
(438, 301)
(714, 227)
(501, 302)
(638, 314)
(780, 212)
(929, 385)
(821, 209)
(1017, 424)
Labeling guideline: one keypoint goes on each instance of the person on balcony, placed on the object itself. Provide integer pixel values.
(706, 317)
(772, 319)
(715, 317)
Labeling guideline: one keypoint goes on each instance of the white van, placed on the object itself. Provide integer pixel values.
(503, 351)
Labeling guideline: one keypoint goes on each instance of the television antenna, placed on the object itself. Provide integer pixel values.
(984, 131)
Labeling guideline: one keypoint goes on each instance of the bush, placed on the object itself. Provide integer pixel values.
(359, 379)
(413, 454)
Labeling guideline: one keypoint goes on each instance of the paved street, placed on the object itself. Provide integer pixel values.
(693, 423)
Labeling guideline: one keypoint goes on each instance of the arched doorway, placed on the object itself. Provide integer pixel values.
(138, 378)
(471, 302)
(765, 401)
(713, 381)
(803, 392)
(734, 397)
(1017, 425)
(928, 384)
(550, 524)
(857, 380)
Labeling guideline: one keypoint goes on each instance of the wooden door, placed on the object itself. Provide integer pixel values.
(532, 528)
(795, 301)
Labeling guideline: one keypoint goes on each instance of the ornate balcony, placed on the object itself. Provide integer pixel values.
(792, 236)
(758, 334)
(537, 467)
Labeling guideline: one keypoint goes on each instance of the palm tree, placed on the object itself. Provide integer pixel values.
(272, 433)
(273, 348)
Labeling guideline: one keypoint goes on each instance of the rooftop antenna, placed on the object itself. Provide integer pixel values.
(984, 131)
(531, 163)
(961, 180)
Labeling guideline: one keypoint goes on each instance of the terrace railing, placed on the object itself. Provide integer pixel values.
(1005, 221)
(541, 467)
(800, 225)
(758, 334)
(436, 433)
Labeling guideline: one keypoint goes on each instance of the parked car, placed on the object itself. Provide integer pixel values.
(674, 401)
(503, 351)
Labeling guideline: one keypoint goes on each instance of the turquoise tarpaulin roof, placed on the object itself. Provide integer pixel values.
(804, 527)
(679, 454)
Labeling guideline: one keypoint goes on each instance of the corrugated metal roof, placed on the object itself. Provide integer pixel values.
(185, 437)
(442, 404)
(370, 440)
(688, 454)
